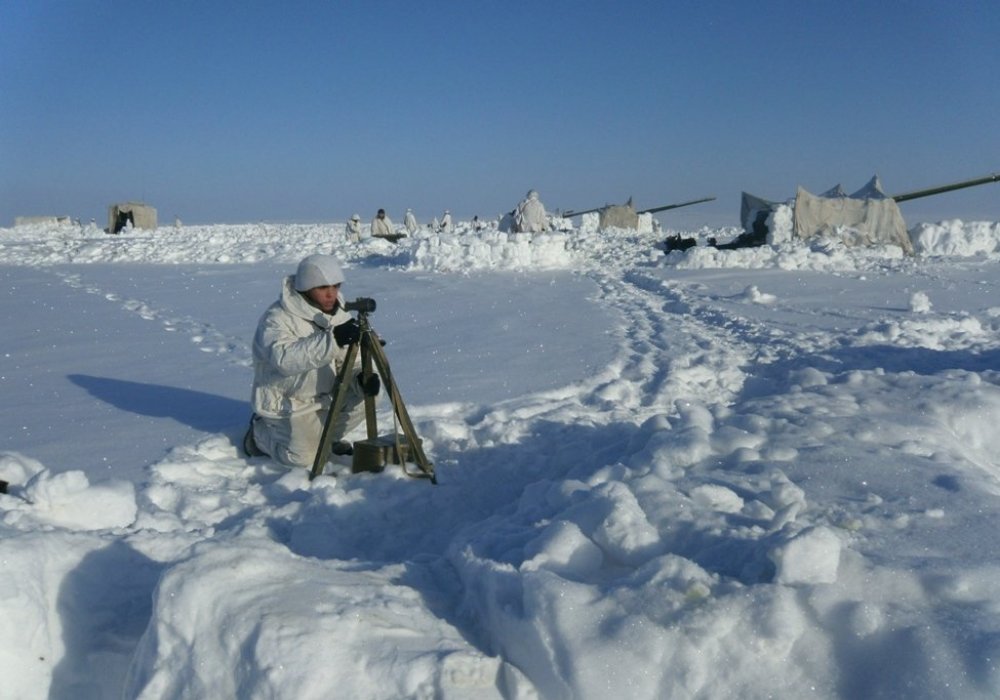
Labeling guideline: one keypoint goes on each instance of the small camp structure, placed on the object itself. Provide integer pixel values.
(138, 214)
(619, 216)
(867, 217)
(625, 215)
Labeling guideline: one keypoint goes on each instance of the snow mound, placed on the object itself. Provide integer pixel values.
(956, 238)
(69, 500)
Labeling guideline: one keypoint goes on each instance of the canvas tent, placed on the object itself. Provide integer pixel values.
(138, 214)
(867, 217)
(754, 213)
(619, 216)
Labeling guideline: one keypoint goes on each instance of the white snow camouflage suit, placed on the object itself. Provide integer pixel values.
(295, 364)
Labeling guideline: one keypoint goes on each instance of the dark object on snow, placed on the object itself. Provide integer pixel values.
(751, 239)
(744, 240)
(675, 242)
(3, 486)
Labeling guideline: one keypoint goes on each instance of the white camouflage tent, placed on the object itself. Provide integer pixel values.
(619, 216)
(867, 217)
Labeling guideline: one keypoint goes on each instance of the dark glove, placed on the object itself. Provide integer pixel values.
(371, 386)
(347, 333)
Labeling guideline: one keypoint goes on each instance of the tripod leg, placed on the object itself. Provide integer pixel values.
(382, 363)
(326, 439)
(366, 371)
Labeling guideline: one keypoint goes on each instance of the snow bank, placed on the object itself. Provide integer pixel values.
(251, 243)
(307, 618)
(488, 248)
(956, 238)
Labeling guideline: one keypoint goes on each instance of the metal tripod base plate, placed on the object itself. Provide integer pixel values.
(374, 454)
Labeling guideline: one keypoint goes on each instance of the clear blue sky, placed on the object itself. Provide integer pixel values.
(310, 111)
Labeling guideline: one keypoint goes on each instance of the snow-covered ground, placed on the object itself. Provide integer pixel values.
(759, 473)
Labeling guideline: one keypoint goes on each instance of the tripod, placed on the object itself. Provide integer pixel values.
(377, 451)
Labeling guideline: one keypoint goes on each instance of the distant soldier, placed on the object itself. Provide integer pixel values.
(410, 222)
(354, 229)
(382, 225)
(446, 225)
(382, 228)
(530, 215)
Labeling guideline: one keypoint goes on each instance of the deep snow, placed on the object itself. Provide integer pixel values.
(755, 473)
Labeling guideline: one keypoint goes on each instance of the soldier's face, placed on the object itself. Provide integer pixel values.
(324, 298)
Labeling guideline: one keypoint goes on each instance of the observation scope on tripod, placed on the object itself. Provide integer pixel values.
(375, 452)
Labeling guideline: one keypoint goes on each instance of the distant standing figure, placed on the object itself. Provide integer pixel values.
(476, 226)
(354, 229)
(382, 226)
(410, 222)
(530, 215)
(446, 225)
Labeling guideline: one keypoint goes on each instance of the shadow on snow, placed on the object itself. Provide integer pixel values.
(206, 412)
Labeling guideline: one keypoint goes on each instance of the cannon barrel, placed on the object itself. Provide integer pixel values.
(916, 194)
(665, 207)
(676, 206)
(570, 213)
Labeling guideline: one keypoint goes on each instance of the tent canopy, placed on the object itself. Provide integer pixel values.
(867, 217)
(619, 216)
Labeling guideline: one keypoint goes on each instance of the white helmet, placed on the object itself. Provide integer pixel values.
(318, 270)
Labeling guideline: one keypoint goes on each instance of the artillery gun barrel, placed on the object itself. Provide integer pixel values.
(570, 213)
(916, 194)
(676, 206)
